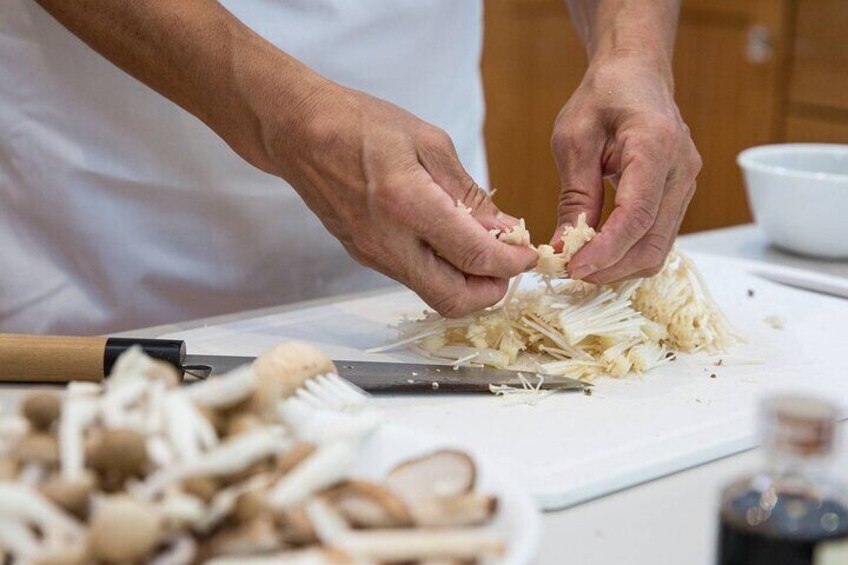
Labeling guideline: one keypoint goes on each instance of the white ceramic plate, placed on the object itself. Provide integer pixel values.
(517, 521)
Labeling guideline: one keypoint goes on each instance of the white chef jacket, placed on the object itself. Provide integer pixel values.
(118, 209)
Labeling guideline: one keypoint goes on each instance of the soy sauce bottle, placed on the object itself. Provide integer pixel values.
(795, 512)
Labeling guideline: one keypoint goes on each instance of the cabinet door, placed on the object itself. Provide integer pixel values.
(728, 70)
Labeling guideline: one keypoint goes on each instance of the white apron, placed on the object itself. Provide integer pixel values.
(119, 210)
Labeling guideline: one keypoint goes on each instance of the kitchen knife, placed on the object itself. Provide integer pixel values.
(813, 282)
(57, 359)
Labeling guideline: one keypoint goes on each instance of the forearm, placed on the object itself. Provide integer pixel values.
(613, 28)
(197, 54)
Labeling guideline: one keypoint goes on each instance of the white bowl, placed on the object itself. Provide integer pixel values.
(798, 194)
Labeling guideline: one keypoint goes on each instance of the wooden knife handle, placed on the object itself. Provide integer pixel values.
(59, 359)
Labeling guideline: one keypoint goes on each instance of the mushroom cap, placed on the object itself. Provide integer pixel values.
(41, 409)
(123, 529)
(118, 452)
(8, 470)
(295, 527)
(369, 505)
(71, 494)
(201, 487)
(442, 473)
(258, 535)
(249, 505)
(37, 447)
(283, 369)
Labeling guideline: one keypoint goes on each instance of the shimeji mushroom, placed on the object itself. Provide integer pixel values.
(232, 456)
(22, 511)
(287, 366)
(41, 409)
(124, 529)
(328, 465)
(80, 410)
(71, 494)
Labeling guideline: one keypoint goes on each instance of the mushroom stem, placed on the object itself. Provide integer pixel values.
(180, 551)
(328, 465)
(19, 540)
(21, 504)
(232, 456)
(186, 427)
(224, 391)
(79, 412)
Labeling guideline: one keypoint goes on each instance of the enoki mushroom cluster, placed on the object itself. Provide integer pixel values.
(249, 467)
(577, 329)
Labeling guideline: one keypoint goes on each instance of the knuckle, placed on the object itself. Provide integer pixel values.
(653, 254)
(477, 260)
(450, 305)
(640, 219)
(436, 138)
(696, 162)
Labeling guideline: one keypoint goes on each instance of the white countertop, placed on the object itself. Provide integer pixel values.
(666, 521)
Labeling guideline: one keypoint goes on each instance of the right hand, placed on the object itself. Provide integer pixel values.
(386, 184)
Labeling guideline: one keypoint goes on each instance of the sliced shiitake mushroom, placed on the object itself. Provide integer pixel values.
(468, 509)
(123, 529)
(442, 473)
(369, 505)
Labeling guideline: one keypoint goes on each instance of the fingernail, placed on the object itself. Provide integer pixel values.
(583, 271)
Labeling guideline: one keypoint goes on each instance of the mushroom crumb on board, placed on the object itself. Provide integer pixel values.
(577, 329)
(141, 470)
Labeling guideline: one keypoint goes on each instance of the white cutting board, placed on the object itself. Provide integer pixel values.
(571, 447)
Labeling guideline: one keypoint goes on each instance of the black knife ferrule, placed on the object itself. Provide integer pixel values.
(172, 351)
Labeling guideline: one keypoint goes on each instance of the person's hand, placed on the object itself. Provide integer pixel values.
(386, 184)
(622, 122)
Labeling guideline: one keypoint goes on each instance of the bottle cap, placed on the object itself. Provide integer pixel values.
(802, 425)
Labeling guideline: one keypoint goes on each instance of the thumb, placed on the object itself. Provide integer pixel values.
(438, 156)
(578, 156)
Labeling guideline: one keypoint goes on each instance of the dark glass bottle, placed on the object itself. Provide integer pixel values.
(795, 512)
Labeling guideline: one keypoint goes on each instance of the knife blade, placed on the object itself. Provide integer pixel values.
(382, 377)
(813, 282)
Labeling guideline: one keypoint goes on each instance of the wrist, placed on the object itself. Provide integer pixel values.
(653, 64)
(262, 100)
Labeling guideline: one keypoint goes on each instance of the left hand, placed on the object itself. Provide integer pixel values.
(622, 121)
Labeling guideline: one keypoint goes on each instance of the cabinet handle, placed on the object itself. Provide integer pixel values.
(759, 48)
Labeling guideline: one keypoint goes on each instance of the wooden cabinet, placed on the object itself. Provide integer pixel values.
(747, 73)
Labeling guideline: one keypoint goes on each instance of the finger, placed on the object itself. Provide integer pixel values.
(438, 156)
(647, 257)
(450, 292)
(466, 244)
(637, 203)
(577, 148)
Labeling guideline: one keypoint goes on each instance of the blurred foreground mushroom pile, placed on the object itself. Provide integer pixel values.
(250, 467)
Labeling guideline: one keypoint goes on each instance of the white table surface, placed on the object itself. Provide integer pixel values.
(666, 521)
